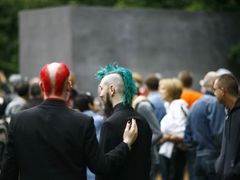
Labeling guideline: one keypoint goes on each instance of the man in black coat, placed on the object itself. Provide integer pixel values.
(226, 89)
(116, 89)
(53, 142)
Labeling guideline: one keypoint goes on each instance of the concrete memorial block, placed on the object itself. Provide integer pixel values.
(145, 40)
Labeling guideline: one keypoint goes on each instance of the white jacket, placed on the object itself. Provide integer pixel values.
(174, 122)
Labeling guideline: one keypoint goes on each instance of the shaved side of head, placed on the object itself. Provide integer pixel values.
(115, 80)
(122, 76)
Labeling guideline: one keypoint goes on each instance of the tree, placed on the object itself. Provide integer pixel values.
(234, 59)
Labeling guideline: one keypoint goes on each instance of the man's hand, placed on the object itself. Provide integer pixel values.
(171, 138)
(130, 133)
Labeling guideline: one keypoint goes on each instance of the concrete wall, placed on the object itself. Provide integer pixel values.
(45, 36)
(144, 40)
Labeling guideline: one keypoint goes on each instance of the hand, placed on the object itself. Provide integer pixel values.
(175, 139)
(164, 138)
(130, 133)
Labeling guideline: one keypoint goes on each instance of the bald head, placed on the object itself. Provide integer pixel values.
(53, 78)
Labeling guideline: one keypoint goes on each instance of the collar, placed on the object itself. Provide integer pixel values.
(153, 93)
(54, 102)
(120, 106)
(236, 106)
(209, 93)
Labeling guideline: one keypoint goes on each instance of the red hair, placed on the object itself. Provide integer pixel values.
(53, 77)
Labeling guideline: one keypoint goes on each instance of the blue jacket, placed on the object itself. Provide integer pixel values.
(155, 99)
(205, 126)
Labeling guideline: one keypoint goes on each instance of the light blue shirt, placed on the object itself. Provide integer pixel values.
(159, 108)
(98, 122)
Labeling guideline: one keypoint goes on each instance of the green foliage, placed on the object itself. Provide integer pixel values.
(150, 3)
(9, 30)
(8, 36)
(196, 6)
(213, 5)
(189, 5)
(9, 17)
(234, 59)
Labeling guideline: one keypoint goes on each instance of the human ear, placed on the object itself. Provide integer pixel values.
(112, 90)
(41, 85)
(69, 85)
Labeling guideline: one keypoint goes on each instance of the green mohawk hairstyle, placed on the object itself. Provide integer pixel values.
(129, 83)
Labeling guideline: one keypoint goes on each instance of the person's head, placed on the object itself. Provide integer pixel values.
(138, 78)
(138, 81)
(15, 80)
(22, 89)
(54, 80)
(170, 89)
(222, 71)
(152, 82)
(186, 78)
(116, 85)
(35, 90)
(208, 80)
(84, 102)
(226, 86)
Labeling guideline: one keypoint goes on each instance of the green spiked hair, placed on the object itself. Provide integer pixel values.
(129, 83)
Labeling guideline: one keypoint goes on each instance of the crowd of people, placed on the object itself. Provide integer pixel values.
(137, 128)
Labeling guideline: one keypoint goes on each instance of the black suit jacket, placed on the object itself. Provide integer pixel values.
(138, 162)
(53, 142)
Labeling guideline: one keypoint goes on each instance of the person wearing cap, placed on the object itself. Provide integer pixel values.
(204, 129)
(222, 71)
(51, 141)
(207, 82)
(226, 89)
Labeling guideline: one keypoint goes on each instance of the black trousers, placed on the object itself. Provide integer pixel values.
(173, 168)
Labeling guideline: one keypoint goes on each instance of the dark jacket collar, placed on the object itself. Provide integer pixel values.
(236, 106)
(120, 106)
(54, 102)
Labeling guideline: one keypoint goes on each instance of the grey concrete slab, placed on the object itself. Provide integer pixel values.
(145, 40)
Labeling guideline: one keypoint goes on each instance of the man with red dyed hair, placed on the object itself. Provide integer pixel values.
(51, 141)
